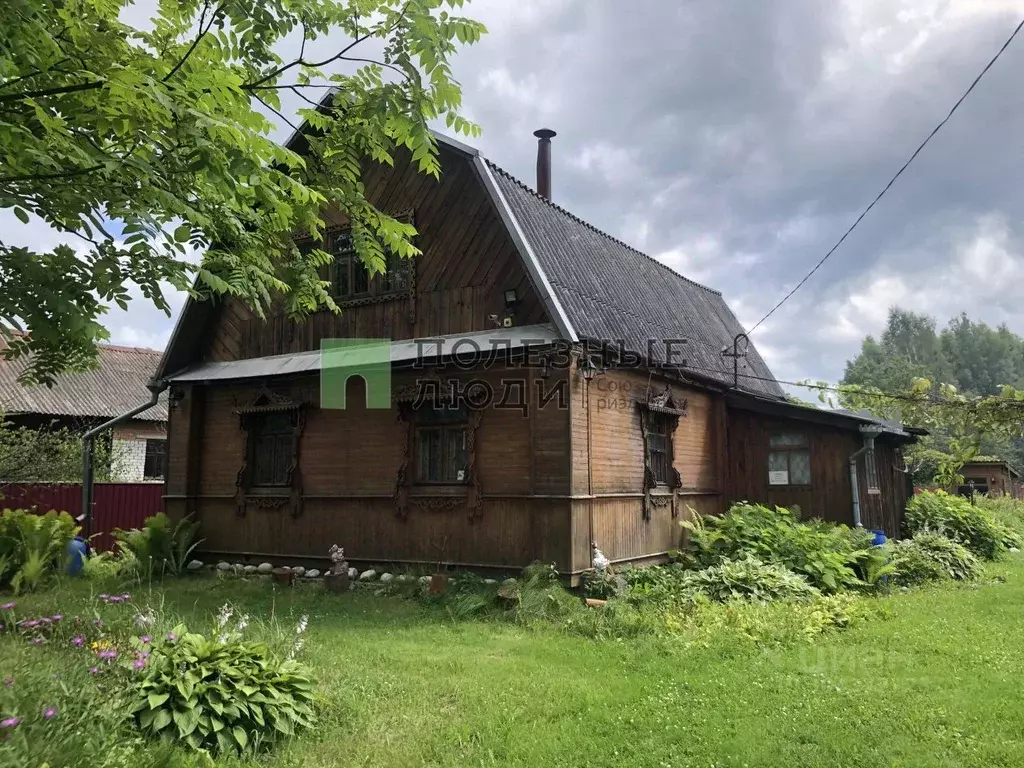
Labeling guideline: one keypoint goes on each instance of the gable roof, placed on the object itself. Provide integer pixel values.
(609, 291)
(594, 287)
(116, 386)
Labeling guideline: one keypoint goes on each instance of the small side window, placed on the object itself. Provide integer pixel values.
(789, 460)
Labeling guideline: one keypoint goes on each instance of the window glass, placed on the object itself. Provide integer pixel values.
(271, 447)
(156, 455)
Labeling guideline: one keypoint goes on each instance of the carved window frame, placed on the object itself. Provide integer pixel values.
(408, 399)
(374, 294)
(664, 406)
(289, 493)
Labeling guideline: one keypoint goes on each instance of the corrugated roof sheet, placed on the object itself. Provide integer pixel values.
(118, 385)
(462, 344)
(610, 291)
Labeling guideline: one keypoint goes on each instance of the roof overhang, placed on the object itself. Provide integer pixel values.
(406, 352)
(837, 419)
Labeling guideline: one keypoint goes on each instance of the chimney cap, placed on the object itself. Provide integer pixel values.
(544, 133)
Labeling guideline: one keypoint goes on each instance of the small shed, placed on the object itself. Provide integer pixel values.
(992, 475)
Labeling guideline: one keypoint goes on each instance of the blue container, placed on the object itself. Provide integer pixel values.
(880, 537)
(77, 548)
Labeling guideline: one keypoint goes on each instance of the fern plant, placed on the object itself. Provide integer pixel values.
(160, 547)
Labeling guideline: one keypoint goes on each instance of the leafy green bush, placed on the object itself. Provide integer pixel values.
(160, 547)
(1008, 513)
(106, 566)
(832, 557)
(931, 556)
(746, 578)
(221, 693)
(956, 518)
(33, 547)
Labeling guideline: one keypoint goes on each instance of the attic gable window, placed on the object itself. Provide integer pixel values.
(349, 278)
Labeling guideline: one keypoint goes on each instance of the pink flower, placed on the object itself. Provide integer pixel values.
(8, 606)
(146, 639)
(10, 722)
(94, 671)
(57, 617)
(78, 641)
(49, 713)
(171, 637)
(29, 624)
(108, 654)
(8, 682)
(140, 663)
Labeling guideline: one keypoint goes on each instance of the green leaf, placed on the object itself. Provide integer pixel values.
(240, 736)
(21, 214)
(161, 720)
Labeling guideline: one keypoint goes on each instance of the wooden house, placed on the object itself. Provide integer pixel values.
(546, 387)
(991, 475)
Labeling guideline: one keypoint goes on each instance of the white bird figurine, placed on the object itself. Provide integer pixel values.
(599, 561)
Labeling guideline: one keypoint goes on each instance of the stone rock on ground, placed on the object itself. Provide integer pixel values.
(222, 566)
(250, 570)
(368, 575)
(313, 573)
(298, 570)
(386, 578)
(353, 573)
(265, 568)
(194, 565)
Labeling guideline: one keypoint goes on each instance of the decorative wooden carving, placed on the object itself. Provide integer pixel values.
(661, 402)
(405, 417)
(473, 497)
(267, 400)
(437, 503)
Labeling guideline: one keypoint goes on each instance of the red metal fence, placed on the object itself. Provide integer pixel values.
(115, 505)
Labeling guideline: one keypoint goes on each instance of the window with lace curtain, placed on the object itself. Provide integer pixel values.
(789, 460)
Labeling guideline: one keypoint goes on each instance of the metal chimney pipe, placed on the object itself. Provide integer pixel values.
(544, 136)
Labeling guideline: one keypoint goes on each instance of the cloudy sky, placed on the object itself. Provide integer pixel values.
(736, 140)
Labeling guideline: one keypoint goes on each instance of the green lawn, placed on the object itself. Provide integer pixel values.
(935, 680)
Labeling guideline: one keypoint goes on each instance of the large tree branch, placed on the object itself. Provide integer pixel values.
(195, 43)
(49, 176)
(86, 86)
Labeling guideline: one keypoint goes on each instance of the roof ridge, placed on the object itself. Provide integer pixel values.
(593, 228)
(101, 346)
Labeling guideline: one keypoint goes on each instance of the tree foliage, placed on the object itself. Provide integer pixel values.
(52, 455)
(963, 384)
(149, 144)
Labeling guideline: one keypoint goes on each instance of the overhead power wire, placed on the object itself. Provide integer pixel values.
(892, 181)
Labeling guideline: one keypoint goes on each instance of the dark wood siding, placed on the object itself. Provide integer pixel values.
(349, 462)
(468, 261)
(829, 495)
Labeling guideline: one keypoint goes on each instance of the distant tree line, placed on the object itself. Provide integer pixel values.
(975, 358)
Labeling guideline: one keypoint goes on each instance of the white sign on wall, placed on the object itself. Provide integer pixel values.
(778, 477)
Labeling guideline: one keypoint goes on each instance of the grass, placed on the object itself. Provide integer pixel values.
(934, 680)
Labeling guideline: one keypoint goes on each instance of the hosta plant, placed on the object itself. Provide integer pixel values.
(222, 693)
(931, 556)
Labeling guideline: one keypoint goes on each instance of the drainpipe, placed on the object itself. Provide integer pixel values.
(870, 433)
(155, 389)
